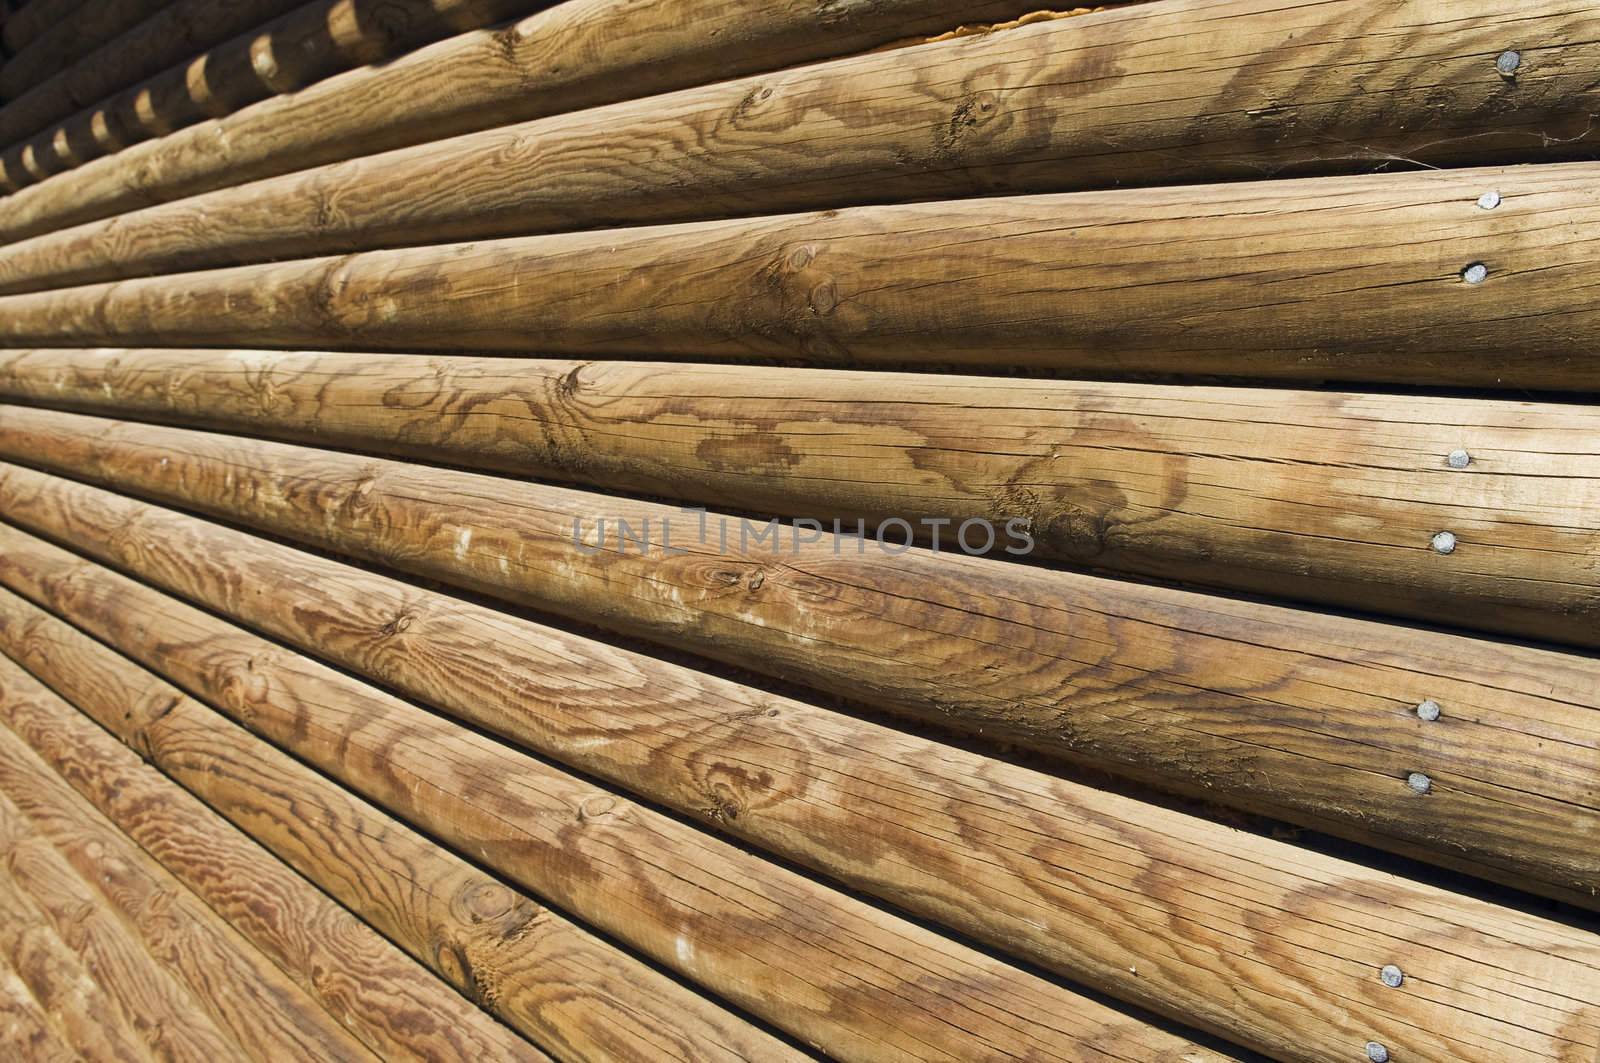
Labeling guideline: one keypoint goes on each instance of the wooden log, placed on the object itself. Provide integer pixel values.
(367, 984)
(159, 1005)
(543, 975)
(228, 986)
(88, 1019)
(1265, 89)
(1241, 703)
(173, 35)
(305, 44)
(477, 80)
(750, 930)
(1164, 280)
(69, 40)
(1090, 847)
(26, 1031)
(26, 24)
(1331, 498)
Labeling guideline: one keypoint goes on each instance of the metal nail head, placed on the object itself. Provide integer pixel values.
(1445, 543)
(1392, 976)
(1428, 710)
(1377, 1053)
(1489, 200)
(1508, 63)
(1476, 273)
(1419, 782)
(1459, 459)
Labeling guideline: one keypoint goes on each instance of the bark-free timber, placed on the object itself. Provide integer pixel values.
(70, 40)
(629, 49)
(749, 930)
(220, 975)
(972, 834)
(542, 974)
(1274, 278)
(174, 34)
(24, 26)
(1299, 715)
(53, 974)
(26, 1030)
(306, 44)
(1324, 496)
(380, 994)
(1267, 87)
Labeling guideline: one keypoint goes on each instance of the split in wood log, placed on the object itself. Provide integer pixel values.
(543, 975)
(1301, 716)
(381, 995)
(57, 977)
(26, 1030)
(225, 979)
(306, 44)
(629, 49)
(26, 25)
(975, 839)
(749, 930)
(1267, 87)
(173, 35)
(1161, 280)
(1327, 497)
(69, 40)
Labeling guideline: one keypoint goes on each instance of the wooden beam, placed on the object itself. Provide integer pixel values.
(1266, 90)
(57, 977)
(476, 80)
(726, 919)
(1060, 855)
(26, 1030)
(26, 24)
(1238, 702)
(374, 990)
(1164, 280)
(1327, 497)
(69, 40)
(543, 975)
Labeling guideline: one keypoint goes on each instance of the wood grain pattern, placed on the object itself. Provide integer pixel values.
(1267, 88)
(745, 928)
(159, 1005)
(69, 40)
(1326, 497)
(369, 986)
(305, 45)
(542, 974)
(84, 1015)
(26, 1031)
(1031, 864)
(1303, 716)
(578, 54)
(1102, 283)
(229, 986)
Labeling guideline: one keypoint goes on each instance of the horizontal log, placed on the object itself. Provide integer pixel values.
(1242, 703)
(173, 35)
(1075, 849)
(261, 1013)
(477, 80)
(302, 46)
(88, 1019)
(23, 26)
(1265, 89)
(368, 985)
(543, 975)
(716, 914)
(1164, 280)
(69, 40)
(1331, 498)
(26, 1030)
(159, 1004)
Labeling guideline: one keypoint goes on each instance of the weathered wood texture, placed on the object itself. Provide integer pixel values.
(174, 34)
(24, 26)
(748, 929)
(306, 44)
(1187, 90)
(71, 39)
(1054, 854)
(26, 1030)
(1274, 278)
(220, 978)
(542, 974)
(56, 976)
(582, 53)
(1323, 496)
(397, 1010)
(1303, 716)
